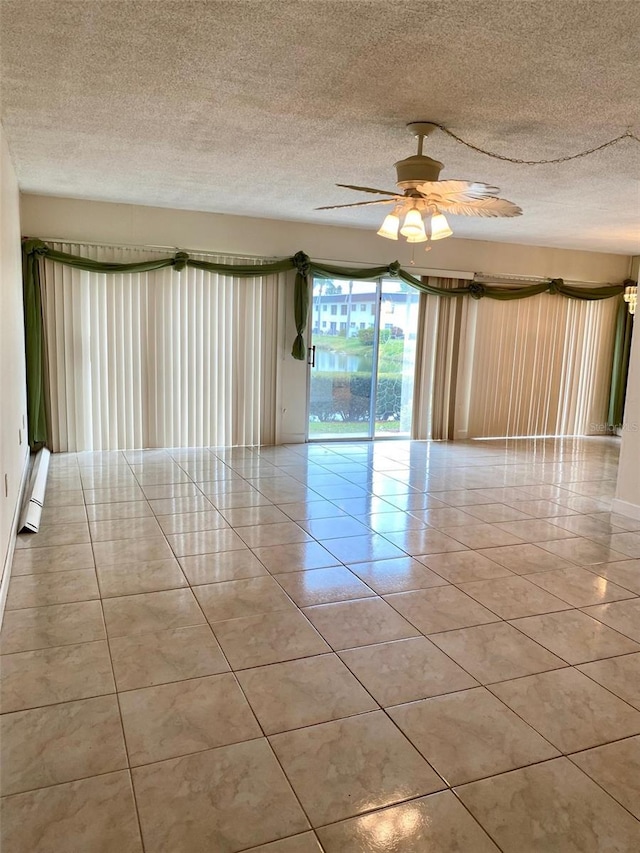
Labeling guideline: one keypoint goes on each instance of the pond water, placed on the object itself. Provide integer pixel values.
(339, 362)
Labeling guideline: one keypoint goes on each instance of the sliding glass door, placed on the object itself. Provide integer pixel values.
(362, 359)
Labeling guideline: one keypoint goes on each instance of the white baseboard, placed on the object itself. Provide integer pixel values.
(626, 508)
(6, 569)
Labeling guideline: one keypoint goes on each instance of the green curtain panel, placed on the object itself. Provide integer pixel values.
(34, 250)
(620, 369)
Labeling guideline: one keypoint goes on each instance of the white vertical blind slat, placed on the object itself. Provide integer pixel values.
(541, 366)
(158, 359)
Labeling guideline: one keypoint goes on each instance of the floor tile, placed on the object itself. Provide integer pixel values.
(437, 823)
(583, 552)
(58, 558)
(295, 557)
(335, 528)
(525, 559)
(345, 767)
(359, 623)
(96, 814)
(60, 743)
(569, 709)
(322, 586)
(496, 652)
(254, 515)
(51, 588)
(151, 611)
(60, 534)
(448, 517)
(124, 509)
(492, 513)
(60, 674)
(464, 566)
(626, 573)
(535, 530)
(131, 551)
(226, 799)
(363, 549)
(482, 535)
(620, 675)
(616, 768)
(579, 587)
(268, 638)
(303, 692)
(623, 616)
(307, 510)
(135, 578)
(205, 542)
(264, 535)
(55, 515)
(158, 657)
(400, 575)
(113, 494)
(160, 491)
(513, 597)
(441, 608)
(172, 506)
(426, 541)
(55, 625)
(552, 807)
(405, 670)
(304, 843)
(575, 637)
(248, 597)
(224, 566)
(191, 522)
(469, 735)
(144, 527)
(183, 717)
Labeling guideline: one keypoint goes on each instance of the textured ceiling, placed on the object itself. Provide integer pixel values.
(259, 108)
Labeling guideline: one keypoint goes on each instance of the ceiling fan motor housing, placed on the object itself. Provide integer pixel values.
(416, 170)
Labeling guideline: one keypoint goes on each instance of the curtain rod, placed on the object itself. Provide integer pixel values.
(489, 278)
(150, 247)
(481, 277)
(464, 274)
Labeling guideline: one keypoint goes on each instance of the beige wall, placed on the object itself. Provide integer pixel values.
(91, 221)
(13, 439)
(628, 491)
(87, 221)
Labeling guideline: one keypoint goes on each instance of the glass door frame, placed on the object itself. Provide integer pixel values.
(371, 432)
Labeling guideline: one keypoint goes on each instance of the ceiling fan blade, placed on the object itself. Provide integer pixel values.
(367, 189)
(480, 207)
(357, 204)
(438, 191)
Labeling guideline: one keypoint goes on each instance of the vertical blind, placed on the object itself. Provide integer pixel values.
(159, 359)
(540, 366)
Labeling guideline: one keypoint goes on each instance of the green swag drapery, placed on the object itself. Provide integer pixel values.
(34, 250)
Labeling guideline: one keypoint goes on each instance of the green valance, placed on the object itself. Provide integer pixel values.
(34, 249)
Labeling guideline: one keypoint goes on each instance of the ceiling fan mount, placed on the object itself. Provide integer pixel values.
(418, 168)
(424, 198)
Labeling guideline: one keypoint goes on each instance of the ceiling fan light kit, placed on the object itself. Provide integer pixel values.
(425, 198)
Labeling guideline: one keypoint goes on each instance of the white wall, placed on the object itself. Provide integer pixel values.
(87, 221)
(13, 438)
(627, 499)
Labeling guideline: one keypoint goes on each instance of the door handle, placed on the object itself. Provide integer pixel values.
(311, 356)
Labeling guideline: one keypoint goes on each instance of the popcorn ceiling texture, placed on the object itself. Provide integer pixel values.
(259, 108)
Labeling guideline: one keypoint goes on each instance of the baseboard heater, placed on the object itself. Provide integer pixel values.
(34, 497)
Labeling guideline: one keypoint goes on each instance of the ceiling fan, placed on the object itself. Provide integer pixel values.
(424, 199)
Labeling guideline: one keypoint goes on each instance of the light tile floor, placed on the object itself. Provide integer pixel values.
(397, 646)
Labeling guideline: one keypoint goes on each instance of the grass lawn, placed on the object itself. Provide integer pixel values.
(346, 429)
